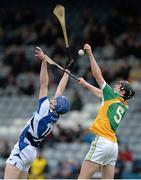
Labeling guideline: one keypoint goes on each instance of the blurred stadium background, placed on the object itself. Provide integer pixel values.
(113, 28)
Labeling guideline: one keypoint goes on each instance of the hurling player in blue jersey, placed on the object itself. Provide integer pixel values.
(40, 124)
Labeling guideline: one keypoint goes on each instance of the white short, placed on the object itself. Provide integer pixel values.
(22, 159)
(103, 151)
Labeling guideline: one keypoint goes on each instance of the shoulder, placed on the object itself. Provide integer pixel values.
(108, 92)
(43, 105)
(41, 100)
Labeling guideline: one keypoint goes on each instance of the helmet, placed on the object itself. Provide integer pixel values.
(129, 90)
(63, 105)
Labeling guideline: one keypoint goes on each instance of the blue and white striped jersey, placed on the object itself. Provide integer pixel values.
(40, 124)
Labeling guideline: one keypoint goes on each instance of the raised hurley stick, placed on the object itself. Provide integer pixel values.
(59, 12)
(50, 61)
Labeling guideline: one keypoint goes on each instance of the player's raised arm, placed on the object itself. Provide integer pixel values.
(93, 89)
(96, 71)
(63, 82)
(62, 85)
(44, 78)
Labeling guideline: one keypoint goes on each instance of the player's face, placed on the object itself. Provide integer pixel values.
(53, 103)
(117, 87)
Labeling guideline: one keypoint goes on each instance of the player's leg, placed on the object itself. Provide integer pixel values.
(19, 161)
(29, 156)
(88, 169)
(23, 175)
(13, 167)
(11, 172)
(93, 160)
(108, 172)
(109, 169)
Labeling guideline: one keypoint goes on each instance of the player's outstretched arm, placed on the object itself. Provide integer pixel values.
(62, 85)
(96, 71)
(93, 89)
(44, 78)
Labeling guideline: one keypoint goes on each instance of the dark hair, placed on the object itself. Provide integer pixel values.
(129, 90)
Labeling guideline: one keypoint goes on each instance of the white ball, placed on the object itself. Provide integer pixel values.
(81, 52)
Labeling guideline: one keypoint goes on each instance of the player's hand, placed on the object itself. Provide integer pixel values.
(39, 53)
(53, 103)
(83, 82)
(87, 48)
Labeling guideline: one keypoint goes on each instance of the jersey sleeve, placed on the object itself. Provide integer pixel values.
(108, 92)
(43, 106)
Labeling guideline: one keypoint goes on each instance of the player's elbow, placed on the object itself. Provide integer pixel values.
(43, 84)
(96, 73)
(100, 80)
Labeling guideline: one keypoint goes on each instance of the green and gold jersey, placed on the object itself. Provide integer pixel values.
(110, 114)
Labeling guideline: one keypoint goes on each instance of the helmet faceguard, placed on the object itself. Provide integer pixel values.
(129, 90)
(63, 105)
